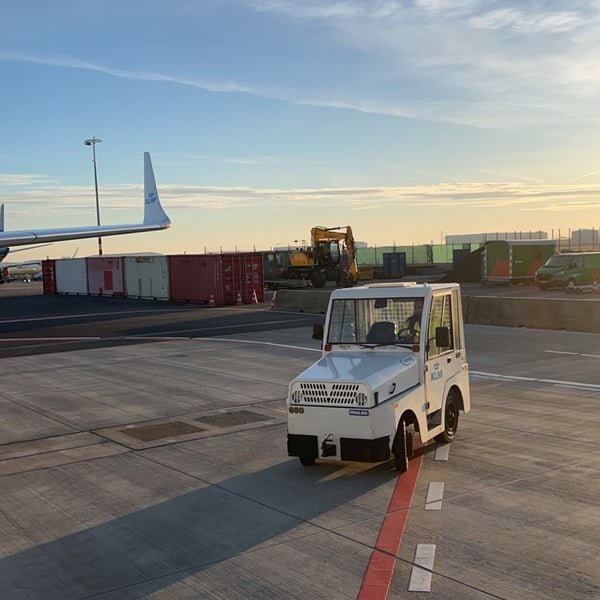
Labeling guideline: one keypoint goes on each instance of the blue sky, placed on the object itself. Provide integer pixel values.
(409, 120)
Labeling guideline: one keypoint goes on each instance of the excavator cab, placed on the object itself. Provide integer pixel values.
(328, 253)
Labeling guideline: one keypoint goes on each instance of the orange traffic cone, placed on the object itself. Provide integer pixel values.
(238, 299)
(254, 298)
(273, 300)
(211, 301)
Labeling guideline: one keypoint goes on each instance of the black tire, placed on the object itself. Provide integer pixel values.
(570, 286)
(401, 448)
(450, 419)
(307, 461)
(318, 279)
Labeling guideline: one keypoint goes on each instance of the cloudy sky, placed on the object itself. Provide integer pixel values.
(409, 120)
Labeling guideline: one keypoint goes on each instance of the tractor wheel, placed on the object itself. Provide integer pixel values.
(450, 419)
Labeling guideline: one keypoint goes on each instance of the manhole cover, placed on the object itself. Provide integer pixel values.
(231, 419)
(161, 430)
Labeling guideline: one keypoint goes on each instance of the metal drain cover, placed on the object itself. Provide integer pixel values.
(231, 419)
(149, 433)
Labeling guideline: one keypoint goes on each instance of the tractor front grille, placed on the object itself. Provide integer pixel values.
(333, 394)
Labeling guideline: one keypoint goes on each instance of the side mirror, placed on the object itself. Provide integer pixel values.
(442, 337)
(317, 331)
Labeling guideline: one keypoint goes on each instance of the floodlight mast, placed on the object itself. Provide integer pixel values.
(92, 142)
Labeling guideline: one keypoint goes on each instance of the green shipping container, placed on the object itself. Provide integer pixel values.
(514, 261)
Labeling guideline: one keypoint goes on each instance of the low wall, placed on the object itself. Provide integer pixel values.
(570, 314)
(310, 301)
(548, 313)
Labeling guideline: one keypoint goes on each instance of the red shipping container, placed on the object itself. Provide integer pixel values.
(195, 278)
(242, 273)
(48, 276)
(105, 276)
(216, 277)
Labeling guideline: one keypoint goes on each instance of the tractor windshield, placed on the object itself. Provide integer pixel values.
(375, 321)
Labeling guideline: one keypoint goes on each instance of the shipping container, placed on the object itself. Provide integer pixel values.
(195, 278)
(48, 276)
(515, 261)
(146, 276)
(243, 275)
(105, 276)
(216, 278)
(394, 264)
(71, 276)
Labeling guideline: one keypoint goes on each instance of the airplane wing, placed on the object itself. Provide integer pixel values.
(31, 263)
(155, 219)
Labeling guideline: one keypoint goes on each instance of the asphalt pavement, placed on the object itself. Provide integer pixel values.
(143, 455)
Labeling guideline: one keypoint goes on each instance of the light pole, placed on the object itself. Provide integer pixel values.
(92, 142)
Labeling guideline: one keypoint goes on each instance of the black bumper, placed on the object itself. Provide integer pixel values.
(352, 449)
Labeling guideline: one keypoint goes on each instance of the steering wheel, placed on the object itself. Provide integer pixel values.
(406, 336)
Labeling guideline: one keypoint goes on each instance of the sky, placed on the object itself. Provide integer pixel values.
(408, 120)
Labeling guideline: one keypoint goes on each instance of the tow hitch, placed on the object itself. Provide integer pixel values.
(327, 447)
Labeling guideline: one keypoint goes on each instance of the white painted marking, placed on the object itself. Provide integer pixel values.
(500, 376)
(571, 384)
(258, 343)
(589, 386)
(158, 338)
(441, 451)
(80, 315)
(50, 339)
(420, 577)
(573, 353)
(434, 496)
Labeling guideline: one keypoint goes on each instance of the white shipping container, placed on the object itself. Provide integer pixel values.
(71, 276)
(147, 276)
(105, 275)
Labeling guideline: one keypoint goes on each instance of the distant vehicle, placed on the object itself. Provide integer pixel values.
(393, 363)
(568, 270)
(155, 219)
(330, 257)
(515, 261)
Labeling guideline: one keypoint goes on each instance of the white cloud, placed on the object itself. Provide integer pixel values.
(76, 199)
(20, 180)
(454, 61)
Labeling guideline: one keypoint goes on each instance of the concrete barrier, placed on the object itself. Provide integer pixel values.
(309, 301)
(548, 313)
(570, 314)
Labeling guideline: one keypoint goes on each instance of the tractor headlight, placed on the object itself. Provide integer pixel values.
(361, 399)
(297, 396)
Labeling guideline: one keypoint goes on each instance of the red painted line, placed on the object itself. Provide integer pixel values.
(380, 569)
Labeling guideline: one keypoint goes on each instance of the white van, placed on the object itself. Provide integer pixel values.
(386, 372)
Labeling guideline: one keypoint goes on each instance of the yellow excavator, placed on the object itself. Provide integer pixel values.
(330, 257)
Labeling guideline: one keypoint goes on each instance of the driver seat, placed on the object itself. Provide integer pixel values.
(382, 332)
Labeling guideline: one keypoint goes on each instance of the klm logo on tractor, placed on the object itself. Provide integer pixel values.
(151, 198)
(437, 372)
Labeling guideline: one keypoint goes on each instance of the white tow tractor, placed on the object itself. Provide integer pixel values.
(393, 363)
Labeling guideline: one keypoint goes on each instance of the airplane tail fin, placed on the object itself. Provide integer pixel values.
(153, 211)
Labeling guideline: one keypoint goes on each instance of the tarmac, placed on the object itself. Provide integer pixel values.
(143, 455)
